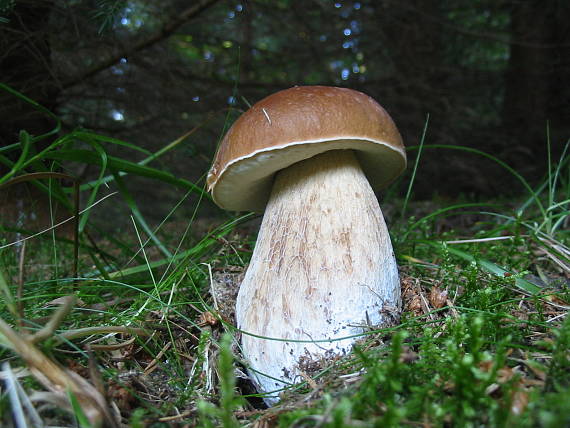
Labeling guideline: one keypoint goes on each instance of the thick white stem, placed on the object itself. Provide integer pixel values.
(323, 268)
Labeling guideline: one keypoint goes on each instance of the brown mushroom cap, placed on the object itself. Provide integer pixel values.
(296, 124)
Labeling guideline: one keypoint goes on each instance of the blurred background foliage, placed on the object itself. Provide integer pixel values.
(491, 74)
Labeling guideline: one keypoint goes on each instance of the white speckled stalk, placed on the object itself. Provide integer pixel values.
(323, 268)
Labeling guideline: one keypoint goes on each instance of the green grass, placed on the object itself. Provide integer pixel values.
(483, 340)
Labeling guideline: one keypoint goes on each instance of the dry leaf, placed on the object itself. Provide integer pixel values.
(437, 297)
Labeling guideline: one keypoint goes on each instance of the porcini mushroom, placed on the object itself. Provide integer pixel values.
(323, 267)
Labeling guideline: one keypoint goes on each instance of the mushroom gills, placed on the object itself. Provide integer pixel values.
(322, 269)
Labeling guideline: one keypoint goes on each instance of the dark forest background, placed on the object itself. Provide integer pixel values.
(491, 74)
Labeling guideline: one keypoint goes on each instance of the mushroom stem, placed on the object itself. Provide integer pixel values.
(323, 268)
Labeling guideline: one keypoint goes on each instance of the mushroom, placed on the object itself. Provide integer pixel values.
(323, 269)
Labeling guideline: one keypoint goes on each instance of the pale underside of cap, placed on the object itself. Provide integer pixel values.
(297, 124)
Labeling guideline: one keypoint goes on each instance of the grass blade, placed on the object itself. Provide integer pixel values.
(490, 267)
(139, 217)
(117, 164)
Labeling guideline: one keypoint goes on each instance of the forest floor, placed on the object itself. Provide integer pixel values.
(137, 328)
(143, 339)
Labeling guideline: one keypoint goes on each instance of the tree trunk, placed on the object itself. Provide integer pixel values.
(530, 86)
(26, 66)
